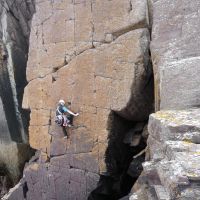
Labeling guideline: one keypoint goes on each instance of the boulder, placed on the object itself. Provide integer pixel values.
(174, 164)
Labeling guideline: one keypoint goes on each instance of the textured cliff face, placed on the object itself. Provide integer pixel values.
(95, 55)
(174, 152)
(14, 32)
(15, 19)
(175, 53)
(172, 169)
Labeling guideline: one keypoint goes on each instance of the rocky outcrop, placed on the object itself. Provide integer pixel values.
(172, 171)
(94, 55)
(15, 18)
(14, 31)
(92, 73)
(175, 53)
(172, 168)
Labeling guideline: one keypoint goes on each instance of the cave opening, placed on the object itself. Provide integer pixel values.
(127, 142)
(123, 158)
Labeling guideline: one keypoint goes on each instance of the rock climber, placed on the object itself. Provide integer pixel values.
(64, 116)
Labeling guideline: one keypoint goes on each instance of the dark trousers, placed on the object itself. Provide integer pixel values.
(70, 118)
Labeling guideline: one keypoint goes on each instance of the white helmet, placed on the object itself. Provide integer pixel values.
(61, 102)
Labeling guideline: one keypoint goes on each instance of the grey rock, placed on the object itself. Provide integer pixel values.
(58, 146)
(91, 180)
(174, 164)
(15, 19)
(172, 125)
(84, 161)
(183, 95)
(175, 53)
(77, 146)
(191, 193)
(151, 174)
(161, 193)
(57, 179)
(15, 193)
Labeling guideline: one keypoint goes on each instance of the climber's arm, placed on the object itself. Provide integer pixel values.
(70, 112)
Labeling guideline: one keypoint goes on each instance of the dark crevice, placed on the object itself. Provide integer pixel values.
(6, 94)
(5, 180)
(25, 152)
(131, 6)
(53, 79)
(150, 15)
(25, 189)
(122, 170)
(16, 52)
(13, 15)
(118, 152)
(127, 141)
(150, 78)
(14, 120)
(125, 154)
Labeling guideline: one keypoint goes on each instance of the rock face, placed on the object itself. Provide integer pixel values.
(173, 169)
(94, 55)
(15, 17)
(175, 53)
(105, 80)
(14, 32)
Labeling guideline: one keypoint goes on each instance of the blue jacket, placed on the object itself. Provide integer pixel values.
(61, 110)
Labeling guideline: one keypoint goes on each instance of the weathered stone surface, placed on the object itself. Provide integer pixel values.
(174, 162)
(178, 123)
(91, 48)
(139, 195)
(15, 193)
(55, 180)
(175, 75)
(14, 35)
(95, 55)
(102, 86)
(15, 18)
(175, 53)
(82, 25)
(161, 193)
(173, 143)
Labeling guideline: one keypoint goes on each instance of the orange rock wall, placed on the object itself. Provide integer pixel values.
(94, 54)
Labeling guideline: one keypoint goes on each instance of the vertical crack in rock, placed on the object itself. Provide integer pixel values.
(15, 30)
(9, 106)
(126, 139)
(126, 150)
(15, 21)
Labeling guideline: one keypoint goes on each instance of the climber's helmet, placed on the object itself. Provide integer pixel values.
(61, 102)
